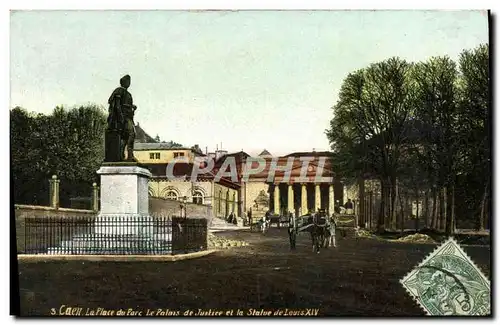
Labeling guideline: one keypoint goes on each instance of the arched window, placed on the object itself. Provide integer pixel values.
(172, 195)
(198, 197)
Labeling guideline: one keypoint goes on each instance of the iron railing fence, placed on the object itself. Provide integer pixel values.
(114, 235)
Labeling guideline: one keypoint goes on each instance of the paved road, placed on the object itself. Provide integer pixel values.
(360, 277)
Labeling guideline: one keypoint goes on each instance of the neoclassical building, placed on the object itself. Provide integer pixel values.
(302, 191)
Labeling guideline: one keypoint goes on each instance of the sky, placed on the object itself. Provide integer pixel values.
(243, 80)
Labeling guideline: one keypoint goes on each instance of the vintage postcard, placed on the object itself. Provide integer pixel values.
(250, 163)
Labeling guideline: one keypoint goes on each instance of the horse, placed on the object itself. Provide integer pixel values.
(320, 232)
(318, 226)
(264, 223)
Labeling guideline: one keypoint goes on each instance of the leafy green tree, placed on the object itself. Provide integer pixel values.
(67, 143)
(475, 129)
(29, 179)
(434, 83)
(368, 128)
(423, 126)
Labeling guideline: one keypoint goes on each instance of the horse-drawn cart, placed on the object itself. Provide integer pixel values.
(320, 227)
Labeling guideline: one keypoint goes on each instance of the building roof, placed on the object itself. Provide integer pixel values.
(265, 153)
(310, 153)
(158, 146)
(181, 169)
(296, 169)
(141, 136)
(239, 159)
(238, 156)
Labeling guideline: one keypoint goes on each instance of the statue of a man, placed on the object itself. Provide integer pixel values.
(121, 117)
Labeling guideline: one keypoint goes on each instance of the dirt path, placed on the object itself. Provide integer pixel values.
(360, 277)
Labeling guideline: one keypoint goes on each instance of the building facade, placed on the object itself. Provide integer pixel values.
(221, 194)
(300, 190)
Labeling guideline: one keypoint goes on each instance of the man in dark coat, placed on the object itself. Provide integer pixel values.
(250, 217)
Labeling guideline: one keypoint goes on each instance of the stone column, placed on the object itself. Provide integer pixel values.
(303, 199)
(95, 197)
(331, 200)
(54, 192)
(291, 207)
(276, 199)
(317, 197)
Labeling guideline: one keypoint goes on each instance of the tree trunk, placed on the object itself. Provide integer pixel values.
(483, 208)
(371, 209)
(440, 210)
(387, 211)
(416, 216)
(453, 220)
(426, 211)
(402, 216)
(362, 203)
(450, 218)
(394, 195)
(382, 212)
(434, 212)
(444, 218)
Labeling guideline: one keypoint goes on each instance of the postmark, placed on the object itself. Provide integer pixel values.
(448, 283)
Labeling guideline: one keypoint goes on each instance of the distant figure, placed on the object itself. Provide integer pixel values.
(349, 207)
(336, 208)
(232, 218)
(333, 230)
(250, 217)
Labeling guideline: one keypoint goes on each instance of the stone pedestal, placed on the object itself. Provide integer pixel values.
(124, 200)
(123, 226)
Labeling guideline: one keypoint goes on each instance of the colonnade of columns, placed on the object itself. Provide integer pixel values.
(303, 201)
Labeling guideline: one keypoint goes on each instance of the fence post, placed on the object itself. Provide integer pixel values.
(95, 197)
(54, 192)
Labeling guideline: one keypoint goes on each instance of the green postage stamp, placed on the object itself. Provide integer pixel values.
(448, 283)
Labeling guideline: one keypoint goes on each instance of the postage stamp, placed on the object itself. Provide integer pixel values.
(448, 283)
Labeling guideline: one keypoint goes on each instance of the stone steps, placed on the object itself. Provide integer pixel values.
(218, 224)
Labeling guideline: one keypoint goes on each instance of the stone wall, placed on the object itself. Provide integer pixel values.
(221, 198)
(23, 211)
(168, 208)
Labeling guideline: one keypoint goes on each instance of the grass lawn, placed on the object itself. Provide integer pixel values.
(359, 277)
